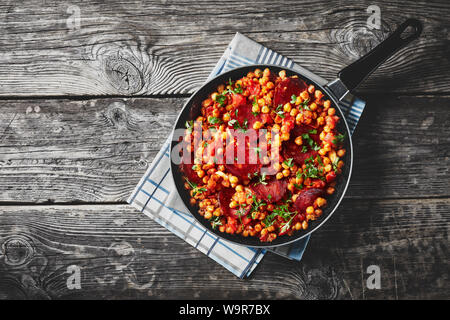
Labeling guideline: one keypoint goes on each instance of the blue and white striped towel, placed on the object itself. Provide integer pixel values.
(156, 196)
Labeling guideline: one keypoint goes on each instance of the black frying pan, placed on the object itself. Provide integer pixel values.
(348, 79)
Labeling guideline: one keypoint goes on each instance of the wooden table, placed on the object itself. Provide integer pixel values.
(86, 106)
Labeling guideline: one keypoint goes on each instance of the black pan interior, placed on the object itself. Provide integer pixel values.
(191, 110)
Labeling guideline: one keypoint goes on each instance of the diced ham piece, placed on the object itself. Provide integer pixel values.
(286, 89)
(224, 198)
(275, 188)
(187, 170)
(306, 198)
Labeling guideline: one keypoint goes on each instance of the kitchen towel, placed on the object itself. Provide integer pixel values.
(155, 195)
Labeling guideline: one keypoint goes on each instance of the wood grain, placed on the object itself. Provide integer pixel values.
(97, 150)
(169, 47)
(124, 254)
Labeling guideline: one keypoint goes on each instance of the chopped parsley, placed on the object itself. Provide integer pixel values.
(195, 187)
(289, 162)
(261, 179)
(314, 146)
(189, 125)
(312, 171)
(293, 98)
(335, 164)
(215, 221)
(339, 138)
(280, 112)
(221, 98)
(213, 120)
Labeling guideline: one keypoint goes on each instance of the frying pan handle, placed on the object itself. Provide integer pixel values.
(352, 75)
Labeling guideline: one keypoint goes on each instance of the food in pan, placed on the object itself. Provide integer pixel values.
(263, 155)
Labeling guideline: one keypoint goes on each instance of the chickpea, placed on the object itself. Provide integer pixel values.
(318, 212)
(341, 153)
(330, 190)
(304, 95)
(258, 73)
(257, 125)
(222, 228)
(258, 227)
(298, 100)
(293, 112)
(298, 226)
(299, 141)
(331, 111)
(326, 104)
(234, 179)
(282, 74)
(313, 106)
(305, 225)
(279, 175)
(263, 81)
(233, 204)
(264, 232)
(200, 173)
(229, 230)
(245, 233)
(276, 128)
(220, 88)
(291, 187)
(340, 164)
(286, 172)
(270, 85)
(239, 188)
(328, 168)
(287, 107)
(217, 212)
(322, 152)
(320, 202)
(310, 210)
(208, 215)
(265, 109)
(311, 89)
(318, 94)
(256, 108)
(266, 72)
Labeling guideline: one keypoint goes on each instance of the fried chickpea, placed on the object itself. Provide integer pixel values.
(208, 215)
(313, 106)
(258, 73)
(293, 112)
(265, 109)
(257, 125)
(279, 175)
(318, 94)
(328, 168)
(234, 179)
(331, 111)
(305, 225)
(258, 227)
(270, 85)
(285, 136)
(200, 173)
(239, 188)
(310, 210)
(287, 107)
(311, 89)
(220, 88)
(291, 187)
(330, 190)
(341, 153)
(256, 108)
(266, 72)
(320, 202)
(326, 104)
(299, 141)
(282, 74)
(304, 95)
(286, 172)
(318, 212)
(298, 226)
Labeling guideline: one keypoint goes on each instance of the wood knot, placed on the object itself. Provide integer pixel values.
(123, 75)
(17, 250)
(356, 39)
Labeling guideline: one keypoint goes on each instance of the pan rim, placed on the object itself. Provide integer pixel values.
(349, 139)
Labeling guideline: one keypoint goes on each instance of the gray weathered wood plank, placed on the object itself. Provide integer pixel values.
(123, 254)
(167, 47)
(97, 150)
